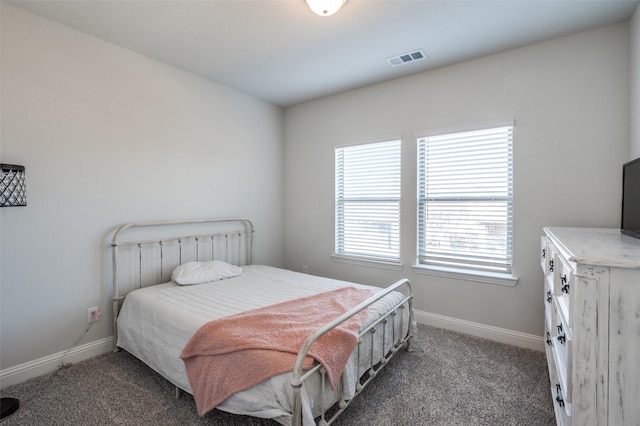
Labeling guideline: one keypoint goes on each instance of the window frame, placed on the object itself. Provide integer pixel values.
(340, 254)
(465, 272)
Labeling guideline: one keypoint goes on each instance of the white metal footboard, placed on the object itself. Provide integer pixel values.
(299, 376)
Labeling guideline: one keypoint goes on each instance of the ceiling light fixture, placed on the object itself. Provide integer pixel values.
(325, 7)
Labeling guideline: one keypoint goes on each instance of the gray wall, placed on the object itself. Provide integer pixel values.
(107, 137)
(570, 100)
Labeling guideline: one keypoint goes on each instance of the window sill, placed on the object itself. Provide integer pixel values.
(365, 261)
(463, 274)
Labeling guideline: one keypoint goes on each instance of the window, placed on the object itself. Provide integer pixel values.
(368, 202)
(465, 191)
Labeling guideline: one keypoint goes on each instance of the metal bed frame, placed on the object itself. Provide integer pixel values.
(231, 240)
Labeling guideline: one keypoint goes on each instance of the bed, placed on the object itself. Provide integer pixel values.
(155, 318)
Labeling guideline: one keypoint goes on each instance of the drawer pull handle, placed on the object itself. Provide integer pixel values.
(562, 338)
(548, 296)
(551, 265)
(559, 399)
(544, 253)
(559, 328)
(549, 341)
(565, 286)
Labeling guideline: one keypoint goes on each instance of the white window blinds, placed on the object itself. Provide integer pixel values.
(368, 201)
(465, 188)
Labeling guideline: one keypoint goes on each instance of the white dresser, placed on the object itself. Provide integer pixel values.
(592, 316)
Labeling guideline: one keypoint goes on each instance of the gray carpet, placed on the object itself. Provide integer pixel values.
(449, 379)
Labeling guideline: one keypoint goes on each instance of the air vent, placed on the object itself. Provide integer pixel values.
(405, 58)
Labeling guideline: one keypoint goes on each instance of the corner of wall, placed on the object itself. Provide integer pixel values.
(634, 107)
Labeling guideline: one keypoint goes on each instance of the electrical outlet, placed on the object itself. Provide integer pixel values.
(305, 269)
(93, 314)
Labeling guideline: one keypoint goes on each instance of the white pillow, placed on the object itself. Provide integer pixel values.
(204, 272)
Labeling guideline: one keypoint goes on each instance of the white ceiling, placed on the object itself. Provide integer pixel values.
(279, 51)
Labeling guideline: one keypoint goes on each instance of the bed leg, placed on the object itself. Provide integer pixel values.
(178, 392)
(296, 414)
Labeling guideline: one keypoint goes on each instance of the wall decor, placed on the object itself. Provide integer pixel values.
(13, 188)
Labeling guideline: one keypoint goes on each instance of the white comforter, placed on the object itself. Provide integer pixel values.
(156, 322)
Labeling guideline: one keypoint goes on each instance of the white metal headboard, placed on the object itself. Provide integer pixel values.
(145, 253)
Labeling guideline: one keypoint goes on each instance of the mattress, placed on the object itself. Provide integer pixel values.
(156, 322)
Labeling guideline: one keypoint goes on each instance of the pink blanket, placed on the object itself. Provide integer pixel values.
(231, 354)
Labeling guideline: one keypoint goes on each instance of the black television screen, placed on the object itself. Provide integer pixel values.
(631, 198)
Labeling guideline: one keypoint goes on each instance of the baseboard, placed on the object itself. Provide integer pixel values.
(524, 340)
(51, 363)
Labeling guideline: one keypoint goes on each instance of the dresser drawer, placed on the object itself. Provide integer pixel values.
(544, 242)
(561, 410)
(551, 253)
(548, 307)
(548, 347)
(559, 407)
(564, 280)
(550, 339)
(562, 345)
